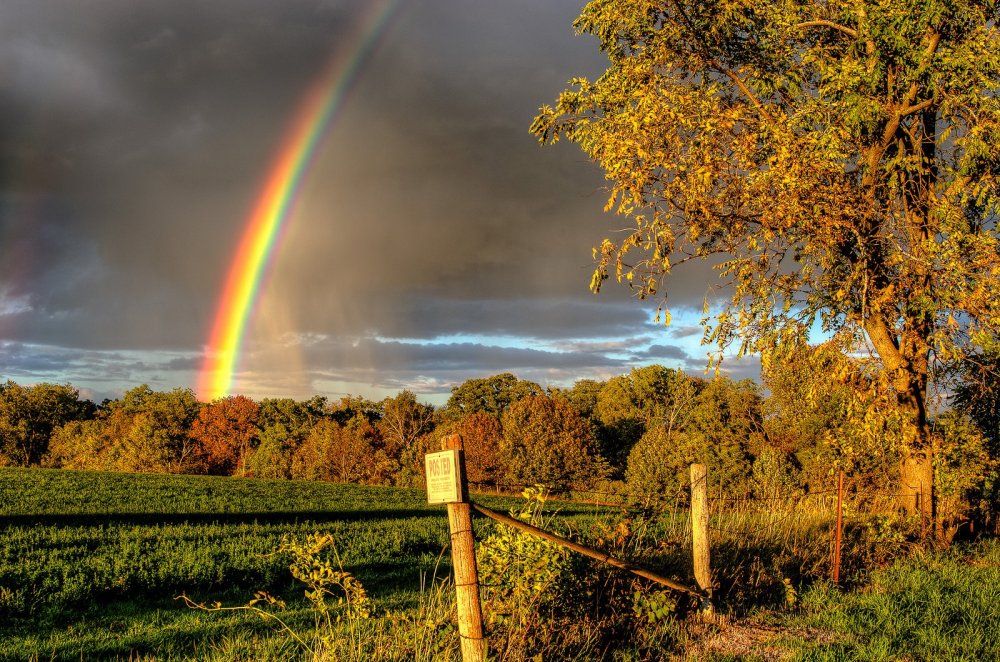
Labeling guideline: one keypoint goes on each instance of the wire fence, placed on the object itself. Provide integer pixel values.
(859, 499)
(785, 521)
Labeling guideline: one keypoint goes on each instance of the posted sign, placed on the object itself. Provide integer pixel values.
(443, 482)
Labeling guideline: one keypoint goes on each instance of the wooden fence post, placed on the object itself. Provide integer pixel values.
(699, 532)
(463, 560)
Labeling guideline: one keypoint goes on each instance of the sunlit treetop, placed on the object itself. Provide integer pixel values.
(840, 158)
(839, 162)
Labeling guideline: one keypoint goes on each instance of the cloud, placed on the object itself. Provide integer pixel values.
(104, 373)
(687, 331)
(660, 352)
(135, 140)
(746, 367)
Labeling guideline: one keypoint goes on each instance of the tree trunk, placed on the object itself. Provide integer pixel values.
(916, 467)
(906, 359)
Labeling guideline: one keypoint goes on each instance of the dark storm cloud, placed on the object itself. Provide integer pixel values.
(135, 137)
(154, 125)
(539, 319)
(660, 352)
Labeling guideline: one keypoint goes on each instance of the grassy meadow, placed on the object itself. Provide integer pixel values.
(91, 562)
(91, 565)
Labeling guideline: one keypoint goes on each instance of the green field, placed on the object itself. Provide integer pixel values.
(91, 565)
(91, 562)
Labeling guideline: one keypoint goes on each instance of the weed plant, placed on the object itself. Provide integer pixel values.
(345, 626)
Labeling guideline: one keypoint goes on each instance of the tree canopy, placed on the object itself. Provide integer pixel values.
(840, 163)
(29, 414)
(492, 395)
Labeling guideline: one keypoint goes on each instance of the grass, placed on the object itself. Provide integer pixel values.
(90, 564)
(933, 606)
(91, 561)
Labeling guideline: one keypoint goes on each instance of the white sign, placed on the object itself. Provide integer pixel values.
(443, 482)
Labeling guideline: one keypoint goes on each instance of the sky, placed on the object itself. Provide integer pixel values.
(432, 240)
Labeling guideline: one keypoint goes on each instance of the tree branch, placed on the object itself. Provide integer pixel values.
(885, 342)
(906, 105)
(851, 32)
(717, 65)
(911, 94)
(916, 108)
(740, 84)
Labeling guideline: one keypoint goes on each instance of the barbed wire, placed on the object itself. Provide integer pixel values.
(622, 498)
(678, 497)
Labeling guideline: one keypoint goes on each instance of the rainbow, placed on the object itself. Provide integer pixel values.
(277, 200)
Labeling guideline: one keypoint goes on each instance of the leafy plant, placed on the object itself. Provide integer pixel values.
(344, 624)
(521, 574)
(653, 606)
(325, 579)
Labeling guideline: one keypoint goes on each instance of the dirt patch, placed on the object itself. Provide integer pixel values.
(748, 638)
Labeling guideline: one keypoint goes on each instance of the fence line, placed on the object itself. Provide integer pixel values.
(697, 513)
(679, 498)
(772, 516)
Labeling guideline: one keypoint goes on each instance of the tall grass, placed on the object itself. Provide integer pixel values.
(931, 606)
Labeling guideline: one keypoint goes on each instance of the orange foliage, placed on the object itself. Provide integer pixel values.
(481, 434)
(348, 453)
(225, 432)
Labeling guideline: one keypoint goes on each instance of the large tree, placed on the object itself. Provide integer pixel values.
(629, 405)
(493, 395)
(837, 161)
(403, 421)
(544, 440)
(149, 430)
(28, 416)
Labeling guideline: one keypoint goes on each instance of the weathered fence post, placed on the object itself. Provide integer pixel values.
(840, 528)
(699, 532)
(463, 552)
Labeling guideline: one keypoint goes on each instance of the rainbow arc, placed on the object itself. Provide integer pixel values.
(277, 199)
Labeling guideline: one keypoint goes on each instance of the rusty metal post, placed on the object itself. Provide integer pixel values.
(840, 528)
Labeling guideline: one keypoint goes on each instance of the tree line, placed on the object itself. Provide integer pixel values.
(818, 411)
